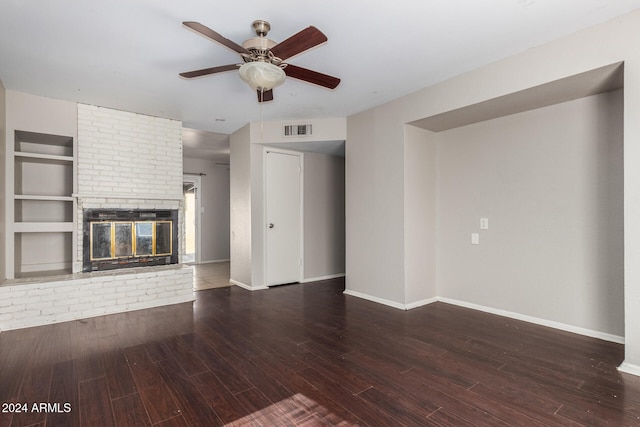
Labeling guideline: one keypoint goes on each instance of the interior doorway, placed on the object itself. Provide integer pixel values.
(191, 198)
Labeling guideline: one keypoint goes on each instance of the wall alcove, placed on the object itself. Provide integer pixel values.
(545, 165)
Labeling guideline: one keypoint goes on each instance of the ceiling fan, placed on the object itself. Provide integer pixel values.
(264, 67)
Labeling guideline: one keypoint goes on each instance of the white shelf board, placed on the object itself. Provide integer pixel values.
(43, 227)
(44, 198)
(43, 157)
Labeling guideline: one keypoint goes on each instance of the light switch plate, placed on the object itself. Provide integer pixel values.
(475, 239)
(484, 223)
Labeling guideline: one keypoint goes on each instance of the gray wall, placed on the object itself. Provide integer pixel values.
(550, 182)
(214, 198)
(420, 215)
(374, 206)
(375, 154)
(323, 216)
(3, 180)
(240, 201)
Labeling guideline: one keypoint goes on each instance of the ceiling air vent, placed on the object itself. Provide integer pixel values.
(297, 130)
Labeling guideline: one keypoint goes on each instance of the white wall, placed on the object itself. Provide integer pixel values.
(3, 179)
(240, 211)
(374, 208)
(377, 134)
(214, 199)
(331, 129)
(247, 224)
(550, 183)
(323, 216)
(420, 187)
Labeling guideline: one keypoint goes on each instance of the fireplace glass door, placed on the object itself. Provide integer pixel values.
(164, 235)
(101, 240)
(144, 238)
(126, 239)
(123, 239)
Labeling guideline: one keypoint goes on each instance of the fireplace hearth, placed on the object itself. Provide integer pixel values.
(126, 238)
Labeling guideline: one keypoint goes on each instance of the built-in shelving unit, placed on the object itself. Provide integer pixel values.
(43, 203)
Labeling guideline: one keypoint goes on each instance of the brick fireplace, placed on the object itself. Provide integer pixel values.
(126, 162)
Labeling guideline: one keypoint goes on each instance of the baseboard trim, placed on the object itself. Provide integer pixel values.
(512, 315)
(390, 303)
(383, 301)
(247, 287)
(421, 303)
(629, 368)
(242, 285)
(318, 279)
(536, 320)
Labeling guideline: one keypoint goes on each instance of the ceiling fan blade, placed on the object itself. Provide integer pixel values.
(311, 76)
(207, 71)
(265, 96)
(298, 43)
(210, 34)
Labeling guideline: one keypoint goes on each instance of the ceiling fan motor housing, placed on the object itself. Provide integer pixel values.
(259, 48)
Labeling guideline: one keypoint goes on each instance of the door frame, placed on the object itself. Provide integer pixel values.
(300, 156)
(197, 182)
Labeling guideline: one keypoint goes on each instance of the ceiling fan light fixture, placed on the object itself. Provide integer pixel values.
(262, 76)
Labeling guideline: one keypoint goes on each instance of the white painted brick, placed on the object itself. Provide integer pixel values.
(105, 291)
(146, 297)
(126, 300)
(147, 285)
(25, 314)
(135, 293)
(104, 303)
(23, 300)
(17, 291)
(15, 308)
(54, 310)
(121, 134)
(135, 282)
(39, 305)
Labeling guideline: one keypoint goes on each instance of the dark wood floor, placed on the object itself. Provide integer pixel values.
(307, 355)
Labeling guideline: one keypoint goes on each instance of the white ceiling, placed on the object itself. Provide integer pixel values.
(127, 54)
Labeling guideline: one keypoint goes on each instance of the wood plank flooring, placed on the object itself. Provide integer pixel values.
(307, 355)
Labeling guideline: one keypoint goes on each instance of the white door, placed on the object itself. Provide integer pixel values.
(283, 254)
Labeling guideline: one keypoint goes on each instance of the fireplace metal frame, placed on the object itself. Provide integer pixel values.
(113, 258)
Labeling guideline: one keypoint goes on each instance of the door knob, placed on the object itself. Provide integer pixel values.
(270, 225)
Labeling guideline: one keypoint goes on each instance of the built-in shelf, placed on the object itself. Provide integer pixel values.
(43, 224)
(43, 143)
